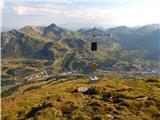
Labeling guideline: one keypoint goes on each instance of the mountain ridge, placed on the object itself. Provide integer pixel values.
(30, 42)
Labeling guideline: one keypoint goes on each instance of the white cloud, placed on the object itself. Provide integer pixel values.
(1, 4)
(39, 9)
(94, 16)
(65, 12)
(138, 15)
(68, 12)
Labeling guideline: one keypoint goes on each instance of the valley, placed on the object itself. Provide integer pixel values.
(45, 70)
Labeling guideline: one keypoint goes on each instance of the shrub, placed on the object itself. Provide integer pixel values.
(152, 80)
(46, 114)
(92, 91)
(69, 107)
(98, 117)
(106, 96)
(36, 109)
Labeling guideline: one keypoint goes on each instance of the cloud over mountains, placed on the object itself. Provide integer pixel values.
(80, 13)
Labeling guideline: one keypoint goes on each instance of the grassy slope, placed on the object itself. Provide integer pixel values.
(111, 98)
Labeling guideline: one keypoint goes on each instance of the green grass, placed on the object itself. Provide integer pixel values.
(110, 98)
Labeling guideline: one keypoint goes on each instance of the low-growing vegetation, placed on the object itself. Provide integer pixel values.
(108, 99)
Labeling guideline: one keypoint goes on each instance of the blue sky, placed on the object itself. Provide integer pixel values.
(76, 14)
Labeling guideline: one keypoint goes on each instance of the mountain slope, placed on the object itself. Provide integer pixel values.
(111, 98)
(17, 44)
(57, 44)
(145, 39)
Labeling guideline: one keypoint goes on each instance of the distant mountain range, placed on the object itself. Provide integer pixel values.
(70, 50)
(145, 38)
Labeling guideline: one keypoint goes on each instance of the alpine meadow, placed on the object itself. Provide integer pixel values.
(80, 60)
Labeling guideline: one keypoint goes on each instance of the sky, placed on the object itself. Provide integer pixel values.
(75, 14)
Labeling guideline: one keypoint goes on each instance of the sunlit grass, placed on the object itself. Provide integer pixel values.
(121, 99)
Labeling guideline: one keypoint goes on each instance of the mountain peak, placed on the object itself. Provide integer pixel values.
(148, 28)
(27, 28)
(50, 28)
(53, 30)
(53, 25)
